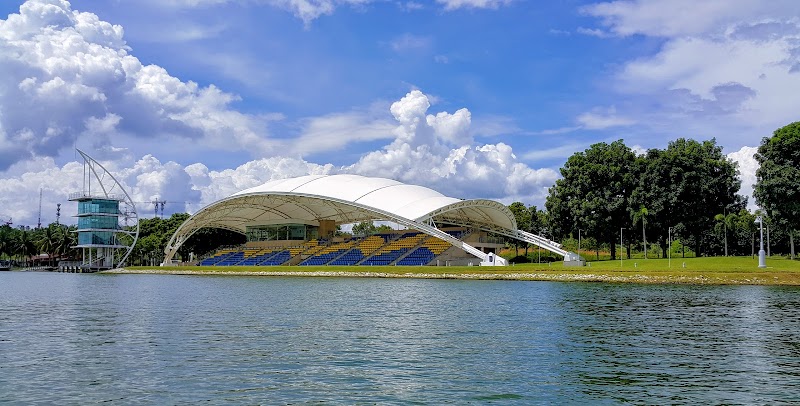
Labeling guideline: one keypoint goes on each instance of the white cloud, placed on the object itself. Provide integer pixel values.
(600, 118)
(725, 69)
(747, 172)
(214, 185)
(410, 42)
(64, 71)
(333, 132)
(593, 32)
(20, 185)
(672, 18)
(456, 4)
(437, 151)
(433, 150)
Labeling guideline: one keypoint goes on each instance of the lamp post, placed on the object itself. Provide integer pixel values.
(620, 246)
(762, 260)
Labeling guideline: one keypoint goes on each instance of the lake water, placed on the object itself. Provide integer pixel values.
(156, 339)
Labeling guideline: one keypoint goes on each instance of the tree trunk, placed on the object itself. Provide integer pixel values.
(726, 238)
(644, 238)
(613, 246)
(628, 250)
(791, 243)
(768, 254)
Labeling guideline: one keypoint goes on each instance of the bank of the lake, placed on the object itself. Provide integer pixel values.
(706, 271)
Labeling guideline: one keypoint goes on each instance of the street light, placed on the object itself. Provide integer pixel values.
(762, 260)
(620, 246)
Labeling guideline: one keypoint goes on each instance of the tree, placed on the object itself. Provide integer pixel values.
(48, 242)
(67, 240)
(685, 186)
(523, 217)
(24, 246)
(725, 222)
(777, 188)
(640, 216)
(538, 219)
(6, 241)
(594, 192)
(364, 228)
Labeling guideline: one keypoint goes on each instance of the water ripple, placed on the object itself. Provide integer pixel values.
(185, 339)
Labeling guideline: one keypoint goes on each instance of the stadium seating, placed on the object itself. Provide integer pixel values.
(410, 248)
(258, 256)
(390, 252)
(430, 249)
(277, 258)
(219, 256)
(328, 253)
(365, 247)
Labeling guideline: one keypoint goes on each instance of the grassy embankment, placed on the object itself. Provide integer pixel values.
(709, 270)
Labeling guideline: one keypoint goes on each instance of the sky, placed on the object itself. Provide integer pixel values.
(189, 101)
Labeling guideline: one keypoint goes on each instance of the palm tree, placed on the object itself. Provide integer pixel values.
(65, 244)
(25, 246)
(5, 244)
(48, 243)
(641, 215)
(727, 221)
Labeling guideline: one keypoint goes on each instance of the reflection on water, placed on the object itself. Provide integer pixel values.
(67, 338)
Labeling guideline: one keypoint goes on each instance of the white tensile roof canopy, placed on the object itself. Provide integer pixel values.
(347, 199)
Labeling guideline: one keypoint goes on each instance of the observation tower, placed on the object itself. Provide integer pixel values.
(104, 242)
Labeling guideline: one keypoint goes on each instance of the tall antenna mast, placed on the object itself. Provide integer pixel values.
(39, 224)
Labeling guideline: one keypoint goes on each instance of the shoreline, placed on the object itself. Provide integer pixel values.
(674, 278)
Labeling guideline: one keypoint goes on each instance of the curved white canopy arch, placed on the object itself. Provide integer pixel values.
(349, 199)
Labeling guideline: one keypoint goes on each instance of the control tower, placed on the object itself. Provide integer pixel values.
(104, 242)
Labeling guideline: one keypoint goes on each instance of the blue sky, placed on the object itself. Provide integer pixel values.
(191, 100)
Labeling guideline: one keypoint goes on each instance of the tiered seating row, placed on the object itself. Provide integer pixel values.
(378, 249)
(430, 249)
(364, 248)
(327, 254)
(390, 252)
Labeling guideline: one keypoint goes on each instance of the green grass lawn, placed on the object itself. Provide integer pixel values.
(706, 270)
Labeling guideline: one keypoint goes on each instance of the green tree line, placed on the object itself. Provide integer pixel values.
(21, 246)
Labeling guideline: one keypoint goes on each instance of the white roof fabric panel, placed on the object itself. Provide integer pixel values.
(305, 197)
(345, 187)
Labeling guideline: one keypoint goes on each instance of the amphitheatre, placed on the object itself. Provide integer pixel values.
(294, 222)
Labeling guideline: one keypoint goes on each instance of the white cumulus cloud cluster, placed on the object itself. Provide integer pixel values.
(67, 76)
(438, 151)
(747, 172)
